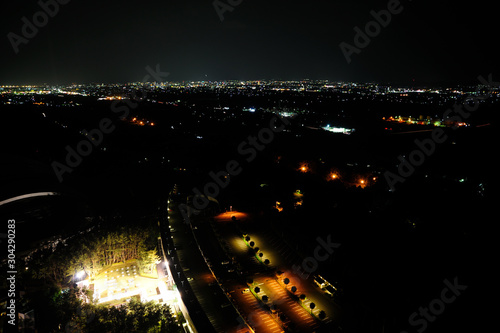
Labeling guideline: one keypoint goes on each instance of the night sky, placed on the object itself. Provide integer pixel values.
(114, 40)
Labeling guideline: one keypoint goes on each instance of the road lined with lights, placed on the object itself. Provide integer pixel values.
(198, 276)
(231, 278)
(226, 257)
(196, 313)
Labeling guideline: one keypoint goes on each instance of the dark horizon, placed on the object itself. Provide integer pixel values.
(423, 43)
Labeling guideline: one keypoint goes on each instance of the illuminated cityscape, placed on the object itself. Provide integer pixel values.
(232, 166)
(243, 260)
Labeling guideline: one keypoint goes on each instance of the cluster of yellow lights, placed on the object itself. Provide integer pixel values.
(111, 98)
(363, 182)
(409, 120)
(141, 122)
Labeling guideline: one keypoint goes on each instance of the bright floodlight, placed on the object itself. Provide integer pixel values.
(80, 274)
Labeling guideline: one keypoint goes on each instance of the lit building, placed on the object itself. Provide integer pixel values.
(341, 130)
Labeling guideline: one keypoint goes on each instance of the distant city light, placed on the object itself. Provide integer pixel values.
(341, 130)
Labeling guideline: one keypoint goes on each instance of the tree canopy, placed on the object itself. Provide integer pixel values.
(66, 311)
(95, 250)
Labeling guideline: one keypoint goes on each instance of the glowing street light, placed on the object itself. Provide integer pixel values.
(79, 275)
(303, 167)
(332, 175)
